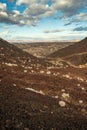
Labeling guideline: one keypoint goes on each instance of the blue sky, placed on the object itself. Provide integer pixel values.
(43, 20)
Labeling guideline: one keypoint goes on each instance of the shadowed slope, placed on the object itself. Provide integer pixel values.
(78, 47)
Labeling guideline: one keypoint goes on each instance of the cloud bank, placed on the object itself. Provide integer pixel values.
(37, 9)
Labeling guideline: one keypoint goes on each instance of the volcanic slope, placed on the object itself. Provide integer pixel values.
(75, 54)
(79, 59)
(35, 96)
(78, 47)
(10, 54)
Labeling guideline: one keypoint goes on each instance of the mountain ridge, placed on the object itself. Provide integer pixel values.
(77, 47)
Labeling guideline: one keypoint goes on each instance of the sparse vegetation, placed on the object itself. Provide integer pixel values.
(36, 94)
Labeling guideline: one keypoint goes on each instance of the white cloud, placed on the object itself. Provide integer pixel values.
(81, 17)
(68, 7)
(38, 9)
(13, 17)
(2, 7)
(30, 2)
(19, 2)
(3, 14)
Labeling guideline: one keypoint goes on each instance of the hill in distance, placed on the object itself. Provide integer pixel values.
(78, 47)
(76, 53)
(42, 49)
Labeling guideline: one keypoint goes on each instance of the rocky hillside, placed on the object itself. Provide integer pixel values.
(10, 54)
(75, 54)
(78, 59)
(35, 95)
(78, 47)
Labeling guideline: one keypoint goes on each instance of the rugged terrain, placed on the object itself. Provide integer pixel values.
(38, 95)
(41, 49)
(76, 53)
(75, 48)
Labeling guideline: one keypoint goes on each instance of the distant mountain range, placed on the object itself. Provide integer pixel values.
(42, 49)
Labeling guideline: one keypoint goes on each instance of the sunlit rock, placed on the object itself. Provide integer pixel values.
(56, 96)
(11, 64)
(83, 88)
(36, 91)
(65, 95)
(25, 71)
(78, 85)
(14, 84)
(41, 71)
(62, 103)
(48, 72)
(51, 112)
(62, 90)
(80, 101)
(32, 71)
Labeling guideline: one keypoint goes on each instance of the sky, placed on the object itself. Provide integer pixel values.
(43, 20)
